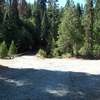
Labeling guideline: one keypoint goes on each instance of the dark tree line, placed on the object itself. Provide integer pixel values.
(73, 30)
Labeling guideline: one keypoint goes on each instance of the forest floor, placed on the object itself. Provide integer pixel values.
(53, 64)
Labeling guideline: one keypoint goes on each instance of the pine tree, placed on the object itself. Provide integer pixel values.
(79, 10)
(89, 28)
(1, 10)
(53, 23)
(3, 50)
(9, 2)
(97, 22)
(37, 21)
(44, 30)
(12, 49)
(39, 12)
(53, 17)
(11, 23)
(14, 10)
(69, 31)
(23, 9)
(69, 3)
(1, 17)
(42, 4)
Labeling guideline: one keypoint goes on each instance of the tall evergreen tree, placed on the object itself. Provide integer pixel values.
(3, 50)
(11, 23)
(97, 22)
(12, 49)
(23, 9)
(53, 17)
(69, 30)
(39, 12)
(79, 10)
(1, 10)
(42, 4)
(44, 30)
(89, 27)
(53, 23)
(37, 22)
(14, 9)
(1, 18)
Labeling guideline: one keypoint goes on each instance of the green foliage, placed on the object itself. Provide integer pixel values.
(69, 31)
(89, 21)
(96, 51)
(42, 53)
(11, 23)
(44, 30)
(83, 51)
(1, 10)
(3, 50)
(67, 55)
(12, 49)
(97, 22)
(56, 52)
(24, 9)
(53, 18)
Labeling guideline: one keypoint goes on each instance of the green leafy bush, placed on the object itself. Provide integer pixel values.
(12, 49)
(3, 50)
(42, 53)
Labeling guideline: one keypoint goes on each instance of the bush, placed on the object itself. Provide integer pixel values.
(42, 53)
(82, 51)
(12, 49)
(67, 55)
(3, 50)
(85, 51)
(55, 52)
(96, 51)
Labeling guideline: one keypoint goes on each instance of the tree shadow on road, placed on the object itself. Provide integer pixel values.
(31, 84)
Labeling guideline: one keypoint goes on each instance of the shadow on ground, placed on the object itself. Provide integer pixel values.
(30, 84)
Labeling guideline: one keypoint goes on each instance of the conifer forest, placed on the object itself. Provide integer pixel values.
(47, 28)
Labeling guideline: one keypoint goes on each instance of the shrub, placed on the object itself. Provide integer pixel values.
(12, 49)
(82, 51)
(86, 52)
(3, 50)
(55, 52)
(42, 53)
(67, 55)
(96, 51)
